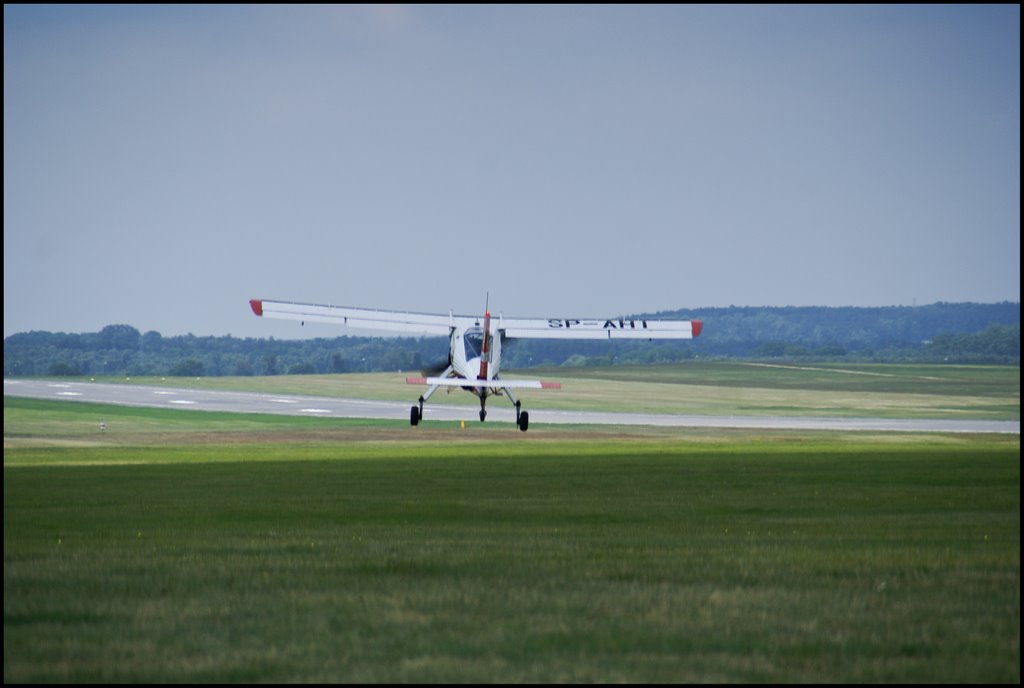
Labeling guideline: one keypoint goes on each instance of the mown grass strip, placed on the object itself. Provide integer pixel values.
(654, 561)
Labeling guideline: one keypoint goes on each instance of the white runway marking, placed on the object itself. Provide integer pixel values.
(182, 401)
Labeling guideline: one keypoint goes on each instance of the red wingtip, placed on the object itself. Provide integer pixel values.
(697, 327)
(257, 306)
(416, 380)
(550, 385)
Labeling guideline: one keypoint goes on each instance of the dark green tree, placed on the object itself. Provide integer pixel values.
(190, 367)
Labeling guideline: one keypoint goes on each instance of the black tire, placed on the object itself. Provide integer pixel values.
(524, 421)
(414, 416)
(483, 414)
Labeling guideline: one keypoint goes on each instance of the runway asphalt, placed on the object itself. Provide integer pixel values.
(333, 407)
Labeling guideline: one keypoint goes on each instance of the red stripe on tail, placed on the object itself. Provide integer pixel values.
(485, 355)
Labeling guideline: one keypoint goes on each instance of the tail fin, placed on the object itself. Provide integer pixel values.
(485, 353)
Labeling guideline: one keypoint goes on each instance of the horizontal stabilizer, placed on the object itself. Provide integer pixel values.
(490, 384)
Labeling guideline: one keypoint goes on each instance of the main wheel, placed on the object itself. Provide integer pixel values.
(414, 416)
(524, 421)
(483, 414)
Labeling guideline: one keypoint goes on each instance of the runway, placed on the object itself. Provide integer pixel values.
(334, 407)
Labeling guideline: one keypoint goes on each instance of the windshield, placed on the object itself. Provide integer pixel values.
(474, 343)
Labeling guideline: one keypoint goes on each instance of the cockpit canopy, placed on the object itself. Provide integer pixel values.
(473, 340)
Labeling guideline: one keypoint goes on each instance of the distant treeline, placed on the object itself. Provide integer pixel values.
(941, 332)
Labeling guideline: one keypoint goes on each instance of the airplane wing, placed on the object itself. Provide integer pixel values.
(615, 328)
(396, 321)
(514, 328)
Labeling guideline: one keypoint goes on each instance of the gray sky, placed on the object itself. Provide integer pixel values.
(163, 165)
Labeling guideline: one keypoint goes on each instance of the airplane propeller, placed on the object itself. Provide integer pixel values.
(435, 369)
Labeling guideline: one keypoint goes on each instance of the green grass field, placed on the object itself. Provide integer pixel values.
(181, 546)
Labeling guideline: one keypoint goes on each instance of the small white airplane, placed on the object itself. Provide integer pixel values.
(474, 352)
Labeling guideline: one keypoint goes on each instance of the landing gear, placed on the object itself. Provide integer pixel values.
(522, 417)
(416, 414)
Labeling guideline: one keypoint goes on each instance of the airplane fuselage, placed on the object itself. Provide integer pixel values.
(475, 354)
